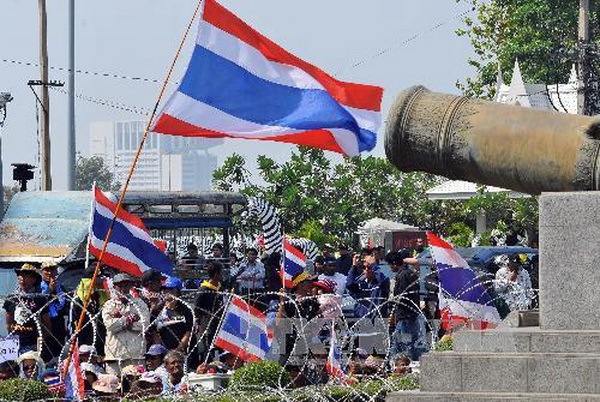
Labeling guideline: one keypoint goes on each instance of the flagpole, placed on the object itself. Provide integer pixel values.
(131, 170)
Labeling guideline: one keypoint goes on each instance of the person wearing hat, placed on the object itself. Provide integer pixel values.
(107, 387)
(126, 320)
(148, 385)
(172, 319)
(31, 365)
(26, 316)
(56, 310)
(151, 281)
(88, 354)
(90, 375)
(154, 358)
(330, 274)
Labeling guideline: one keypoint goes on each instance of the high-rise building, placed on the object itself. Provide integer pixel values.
(167, 163)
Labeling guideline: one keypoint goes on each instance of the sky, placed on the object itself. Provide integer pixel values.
(390, 43)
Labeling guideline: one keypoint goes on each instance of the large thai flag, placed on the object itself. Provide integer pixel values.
(74, 384)
(239, 84)
(334, 359)
(463, 297)
(294, 266)
(244, 331)
(130, 248)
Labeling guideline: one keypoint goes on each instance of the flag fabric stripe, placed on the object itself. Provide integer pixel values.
(130, 247)
(294, 265)
(250, 59)
(463, 297)
(244, 332)
(239, 84)
(74, 384)
(350, 94)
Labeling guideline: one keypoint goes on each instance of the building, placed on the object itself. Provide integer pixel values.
(167, 163)
(559, 97)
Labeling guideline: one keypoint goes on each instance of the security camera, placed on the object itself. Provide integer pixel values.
(5, 97)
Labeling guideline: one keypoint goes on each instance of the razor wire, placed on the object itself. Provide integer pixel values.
(305, 358)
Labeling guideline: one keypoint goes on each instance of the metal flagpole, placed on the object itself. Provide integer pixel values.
(131, 170)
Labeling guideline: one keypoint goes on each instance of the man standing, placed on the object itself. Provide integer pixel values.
(56, 310)
(370, 288)
(330, 274)
(209, 307)
(173, 319)
(126, 319)
(250, 275)
(25, 313)
(404, 317)
(345, 260)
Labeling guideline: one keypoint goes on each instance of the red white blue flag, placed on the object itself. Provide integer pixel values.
(294, 266)
(240, 84)
(74, 384)
(463, 297)
(131, 248)
(334, 360)
(244, 331)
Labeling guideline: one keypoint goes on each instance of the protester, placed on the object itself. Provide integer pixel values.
(250, 275)
(88, 354)
(26, 315)
(217, 251)
(174, 381)
(404, 317)
(319, 265)
(330, 274)
(513, 283)
(418, 247)
(192, 260)
(148, 385)
(31, 365)
(344, 262)
(154, 358)
(151, 281)
(172, 319)
(369, 287)
(107, 387)
(126, 319)
(90, 375)
(209, 307)
(57, 311)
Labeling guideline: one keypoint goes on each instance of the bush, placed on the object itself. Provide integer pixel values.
(445, 344)
(17, 389)
(262, 374)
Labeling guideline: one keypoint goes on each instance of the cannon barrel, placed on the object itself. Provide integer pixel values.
(514, 147)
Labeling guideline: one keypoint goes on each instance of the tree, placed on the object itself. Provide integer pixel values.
(327, 202)
(541, 33)
(93, 169)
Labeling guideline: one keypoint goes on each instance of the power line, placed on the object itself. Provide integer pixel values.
(109, 103)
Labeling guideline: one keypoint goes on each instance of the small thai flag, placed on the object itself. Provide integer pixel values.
(130, 248)
(294, 266)
(74, 384)
(240, 84)
(463, 297)
(334, 360)
(244, 331)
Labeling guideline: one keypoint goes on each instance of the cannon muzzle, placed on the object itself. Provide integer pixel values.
(518, 148)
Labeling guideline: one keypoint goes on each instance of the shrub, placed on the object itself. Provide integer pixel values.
(17, 389)
(445, 344)
(261, 375)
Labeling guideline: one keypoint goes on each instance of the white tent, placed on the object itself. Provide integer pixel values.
(376, 228)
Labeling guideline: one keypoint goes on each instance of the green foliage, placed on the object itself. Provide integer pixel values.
(541, 33)
(327, 202)
(93, 169)
(461, 235)
(446, 344)
(263, 374)
(17, 389)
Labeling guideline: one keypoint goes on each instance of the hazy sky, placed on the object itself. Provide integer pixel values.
(138, 38)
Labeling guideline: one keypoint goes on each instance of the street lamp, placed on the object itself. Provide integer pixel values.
(5, 98)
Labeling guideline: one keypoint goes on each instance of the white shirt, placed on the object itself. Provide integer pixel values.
(338, 279)
(518, 294)
(251, 276)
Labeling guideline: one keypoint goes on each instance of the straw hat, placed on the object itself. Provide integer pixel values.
(28, 269)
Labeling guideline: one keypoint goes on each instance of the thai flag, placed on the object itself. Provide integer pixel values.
(130, 247)
(240, 84)
(334, 359)
(244, 331)
(74, 384)
(294, 266)
(463, 297)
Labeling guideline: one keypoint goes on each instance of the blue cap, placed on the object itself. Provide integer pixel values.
(156, 350)
(172, 282)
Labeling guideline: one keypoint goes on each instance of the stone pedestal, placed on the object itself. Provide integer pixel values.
(560, 359)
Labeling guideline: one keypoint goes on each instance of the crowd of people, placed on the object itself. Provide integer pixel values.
(143, 336)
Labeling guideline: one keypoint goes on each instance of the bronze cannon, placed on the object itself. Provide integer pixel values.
(518, 148)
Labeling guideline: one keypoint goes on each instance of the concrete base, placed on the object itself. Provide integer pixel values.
(559, 360)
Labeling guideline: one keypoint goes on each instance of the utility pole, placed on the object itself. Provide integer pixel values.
(71, 140)
(45, 100)
(583, 63)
